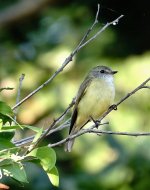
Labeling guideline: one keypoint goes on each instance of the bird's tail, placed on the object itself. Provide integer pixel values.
(69, 145)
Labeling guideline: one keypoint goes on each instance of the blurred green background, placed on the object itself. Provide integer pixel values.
(35, 38)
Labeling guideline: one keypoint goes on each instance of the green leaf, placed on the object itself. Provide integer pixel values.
(6, 162)
(54, 176)
(5, 144)
(46, 155)
(8, 127)
(37, 136)
(5, 118)
(9, 134)
(36, 129)
(5, 139)
(5, 109)
(16, 171)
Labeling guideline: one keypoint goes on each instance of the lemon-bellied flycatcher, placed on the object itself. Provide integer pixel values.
(95, 95)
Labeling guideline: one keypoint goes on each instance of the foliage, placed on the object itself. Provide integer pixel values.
(13, 158)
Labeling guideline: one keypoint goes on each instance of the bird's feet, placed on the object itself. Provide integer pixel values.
(114, 107)
(96, 122)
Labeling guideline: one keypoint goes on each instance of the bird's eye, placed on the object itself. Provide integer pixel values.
(102, 71)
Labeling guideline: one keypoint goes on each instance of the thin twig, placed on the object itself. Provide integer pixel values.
(58, 120)
(55, 122)
(70, 57)
(83, 131)
(141, 86)
(54, 130)
(146, 87)
(101, 30)
(91, 28)
(18, 94)
(29, 139)
(92, 130)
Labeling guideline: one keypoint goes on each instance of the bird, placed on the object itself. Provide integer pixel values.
(95, 95)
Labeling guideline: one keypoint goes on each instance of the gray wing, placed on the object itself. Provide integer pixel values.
(80, 94)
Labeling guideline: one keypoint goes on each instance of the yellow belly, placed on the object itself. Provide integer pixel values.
(97, 99)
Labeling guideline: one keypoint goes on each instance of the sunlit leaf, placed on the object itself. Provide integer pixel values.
(39, 133)
(5, 109)
(36, 129)
(46, 155)
(54, 176)
(7, 127)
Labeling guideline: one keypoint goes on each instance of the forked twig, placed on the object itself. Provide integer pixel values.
(82, 43)
(92, 130)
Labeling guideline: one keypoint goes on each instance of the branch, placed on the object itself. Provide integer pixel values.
(98, 132)
(70, 57)
(48, 131)
(114, 22)
(146, 87)
(18, 94)
(66, 124)
(30, 139)
(141, 86)
(92, 130)
(55, 122)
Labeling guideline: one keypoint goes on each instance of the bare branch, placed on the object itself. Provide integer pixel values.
(134, 91)
(124, 98)
(53, 129)
(18, 94)
(92, 130)
(66, 124)
(99, 132)
(30, 139)
(146, 87)
(70, 57)
(91, 28)
(55, 122)
(114, 22)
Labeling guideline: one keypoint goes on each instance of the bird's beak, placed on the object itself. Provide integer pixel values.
(114, 72)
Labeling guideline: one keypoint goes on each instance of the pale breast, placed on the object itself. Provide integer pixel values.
(97, 99)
